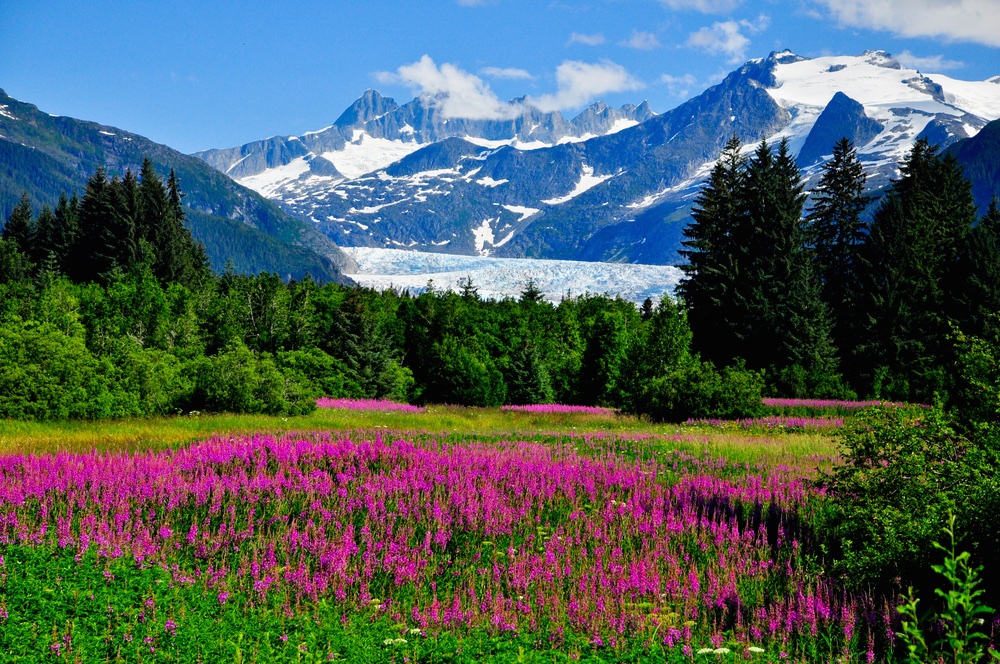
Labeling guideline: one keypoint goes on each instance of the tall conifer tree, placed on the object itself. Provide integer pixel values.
(837, 233)
(711, 246)
(18, 228)
(977, 302)
(912, 257)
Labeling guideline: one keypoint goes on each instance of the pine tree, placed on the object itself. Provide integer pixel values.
(788, 324)
(91, 257)
(712, 248)
(45, 251)
(977, 301)
(750, 288)
(189, 259)
(19, 227)
(67, 226)
(121, 235)
(912, 278)
(837, 234)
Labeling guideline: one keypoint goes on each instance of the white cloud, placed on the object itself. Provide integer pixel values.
(959, 20)
(927, 63)
(580, 82)
(510, 73)
(704, 6)
(727, 38)
(456, 93)
(643, 41)
(679, 86)
(589, 40)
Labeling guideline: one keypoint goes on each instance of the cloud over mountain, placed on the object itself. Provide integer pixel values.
(961, 20)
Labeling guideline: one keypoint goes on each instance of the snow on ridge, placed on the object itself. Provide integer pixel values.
(366, 154)
(621, 124)
(805, 87)
(525, 212)
(267, 183)
(487, 181)
(586, 182)
(483, 234)
(4, 112)
(504, 277)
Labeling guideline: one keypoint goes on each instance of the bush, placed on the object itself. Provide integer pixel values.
(901, 476)
(698, 390)
(46, 374)
(146, 381)
(329, 374)
(236, 380)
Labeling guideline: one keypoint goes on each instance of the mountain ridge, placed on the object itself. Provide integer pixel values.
(620, 195)
(47, 155)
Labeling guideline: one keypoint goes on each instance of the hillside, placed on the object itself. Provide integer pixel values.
(46, 155)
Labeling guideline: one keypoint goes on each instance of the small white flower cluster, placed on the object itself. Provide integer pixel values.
(393, 642)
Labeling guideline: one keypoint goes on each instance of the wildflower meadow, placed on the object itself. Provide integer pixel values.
(372, 545)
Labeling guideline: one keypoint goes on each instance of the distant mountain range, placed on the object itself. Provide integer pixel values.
(46, 155)
(610, 184)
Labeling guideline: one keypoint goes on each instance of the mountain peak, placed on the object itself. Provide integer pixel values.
(367, 107)
(881, 58)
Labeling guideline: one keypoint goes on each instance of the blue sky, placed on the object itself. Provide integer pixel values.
(196, 74)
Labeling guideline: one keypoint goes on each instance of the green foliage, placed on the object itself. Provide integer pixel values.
(48, 374)
(146, 381)
(912, 257)
(465, 375)
(329, 374)
(900, 477)
(961, 639)
(750, 286)
(697, 390)
(237, 380)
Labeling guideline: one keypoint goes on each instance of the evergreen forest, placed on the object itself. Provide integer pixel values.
(109, 309)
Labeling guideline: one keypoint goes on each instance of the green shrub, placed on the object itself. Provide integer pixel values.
(329, 374)
(146, 381)
(46, 374)
(900, 477)
(961, 638)
(239, 381)
(698, 390)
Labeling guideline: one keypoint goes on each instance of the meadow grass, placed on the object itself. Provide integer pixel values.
(131, 435)
(110, 603)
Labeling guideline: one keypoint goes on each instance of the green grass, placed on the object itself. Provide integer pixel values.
(120, 618)
(755, 448)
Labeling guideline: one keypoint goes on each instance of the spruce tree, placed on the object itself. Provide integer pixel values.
(977, 300)
(712, 246)
(788, 329)
(66, 228)
(912, 277)
(91, 257)
(19, 227)
(45, 253)
(189, 261)
(837, 233)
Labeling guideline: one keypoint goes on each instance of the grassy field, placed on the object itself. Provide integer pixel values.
(448, 535)
(750, 446)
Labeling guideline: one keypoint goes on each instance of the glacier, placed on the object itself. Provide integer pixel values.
(497, 278)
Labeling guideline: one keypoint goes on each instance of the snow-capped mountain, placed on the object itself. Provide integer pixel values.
(375, 132)
(609, 184)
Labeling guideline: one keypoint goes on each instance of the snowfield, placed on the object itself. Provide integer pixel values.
(501, 277)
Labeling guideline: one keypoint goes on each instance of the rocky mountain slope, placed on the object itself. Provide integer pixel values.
(611, 184)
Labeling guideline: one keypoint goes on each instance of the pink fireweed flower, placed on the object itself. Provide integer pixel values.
(367, 404)
(558, 409)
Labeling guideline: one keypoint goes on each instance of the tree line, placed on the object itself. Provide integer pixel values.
(850, 296)
(108, 308)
